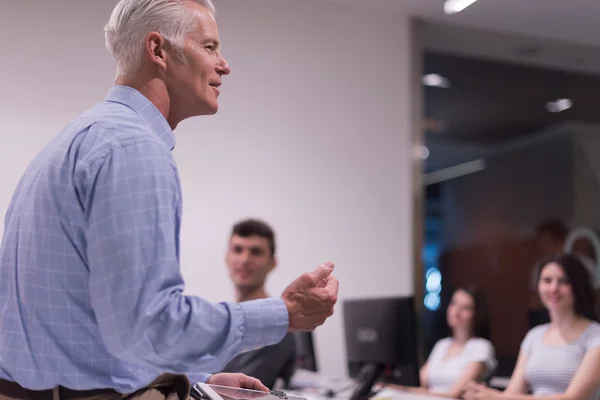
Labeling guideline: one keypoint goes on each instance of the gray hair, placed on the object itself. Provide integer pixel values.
(132, 20)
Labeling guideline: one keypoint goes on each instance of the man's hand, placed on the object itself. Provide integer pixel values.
(236, 380)
(310, 298)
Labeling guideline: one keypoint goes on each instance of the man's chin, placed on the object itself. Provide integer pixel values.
(246, 286)
(212, 109)
(206, 108)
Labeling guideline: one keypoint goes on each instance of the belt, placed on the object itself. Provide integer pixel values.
(16, 391)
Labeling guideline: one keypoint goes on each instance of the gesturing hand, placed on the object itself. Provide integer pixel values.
(310, 298)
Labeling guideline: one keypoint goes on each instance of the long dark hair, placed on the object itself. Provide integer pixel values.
(481, 320)
(580, 281)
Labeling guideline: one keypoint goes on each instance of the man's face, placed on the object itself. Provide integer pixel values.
(249, 260)
(547, 244)
(193, 83)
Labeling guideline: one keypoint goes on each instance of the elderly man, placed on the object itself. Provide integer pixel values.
(90, 286)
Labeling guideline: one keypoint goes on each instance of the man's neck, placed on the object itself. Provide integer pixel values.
(247, 295)
(155, 91)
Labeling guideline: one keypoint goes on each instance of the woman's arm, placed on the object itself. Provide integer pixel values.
(517, 383)
(585, 382)
(423, 375)
(473, 371)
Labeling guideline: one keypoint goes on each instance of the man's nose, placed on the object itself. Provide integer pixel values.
(223, 67)
(245, 256)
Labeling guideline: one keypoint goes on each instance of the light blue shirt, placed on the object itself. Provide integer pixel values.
(90, 282)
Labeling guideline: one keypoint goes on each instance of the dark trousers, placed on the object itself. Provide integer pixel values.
(165, 387)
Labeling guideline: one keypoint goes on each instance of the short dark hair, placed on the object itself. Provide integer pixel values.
(255, 227)
(555, 227)
(481, 319)
(580, 280)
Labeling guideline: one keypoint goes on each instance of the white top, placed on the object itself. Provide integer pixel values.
(444, 372)
(550, 368)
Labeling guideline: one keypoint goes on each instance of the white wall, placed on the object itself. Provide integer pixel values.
(313, 135)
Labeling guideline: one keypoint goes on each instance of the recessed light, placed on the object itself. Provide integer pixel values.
(422, 152)
(456, 6)
(436, 80)
(559, 105)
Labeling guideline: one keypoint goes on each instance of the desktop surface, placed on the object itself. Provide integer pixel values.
(384, 394)
(313, 386)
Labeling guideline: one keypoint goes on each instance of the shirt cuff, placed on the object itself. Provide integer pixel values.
(266, 320)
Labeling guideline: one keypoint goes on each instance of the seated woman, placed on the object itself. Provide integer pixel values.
(561, 359)
(466, 355)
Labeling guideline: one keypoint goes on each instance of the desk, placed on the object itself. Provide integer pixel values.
(385, 394)
(391, 394)
(499, 382)
(314, 386)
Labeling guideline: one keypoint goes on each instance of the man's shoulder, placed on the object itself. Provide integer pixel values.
(118, 123)
(107, 127)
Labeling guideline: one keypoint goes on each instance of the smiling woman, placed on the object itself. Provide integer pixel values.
(464, 356)
(560, 357)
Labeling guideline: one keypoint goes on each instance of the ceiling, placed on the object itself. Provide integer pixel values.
(562, 20)
(506, 59)
(491, 102)
(572, 21)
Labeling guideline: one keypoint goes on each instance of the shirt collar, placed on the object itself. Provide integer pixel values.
(144, 108)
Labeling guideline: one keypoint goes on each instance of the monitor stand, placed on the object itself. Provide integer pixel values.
(365, 379)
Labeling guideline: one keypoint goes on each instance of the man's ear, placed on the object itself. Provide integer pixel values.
(155, 50)
(226, 258)
(273, 263)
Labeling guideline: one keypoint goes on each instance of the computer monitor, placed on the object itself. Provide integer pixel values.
(381, 342)
(305, 351)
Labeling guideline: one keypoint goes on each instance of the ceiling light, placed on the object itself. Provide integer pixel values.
(423, 152)
(455, 171)
(559, 105)
(456, 6)
(435, 80)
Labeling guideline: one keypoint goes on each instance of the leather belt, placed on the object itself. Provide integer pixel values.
(14, 390)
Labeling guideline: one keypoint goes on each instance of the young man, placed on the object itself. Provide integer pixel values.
(250, 258)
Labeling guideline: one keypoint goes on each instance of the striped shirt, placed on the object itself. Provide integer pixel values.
(550, 368)
(91, 293)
